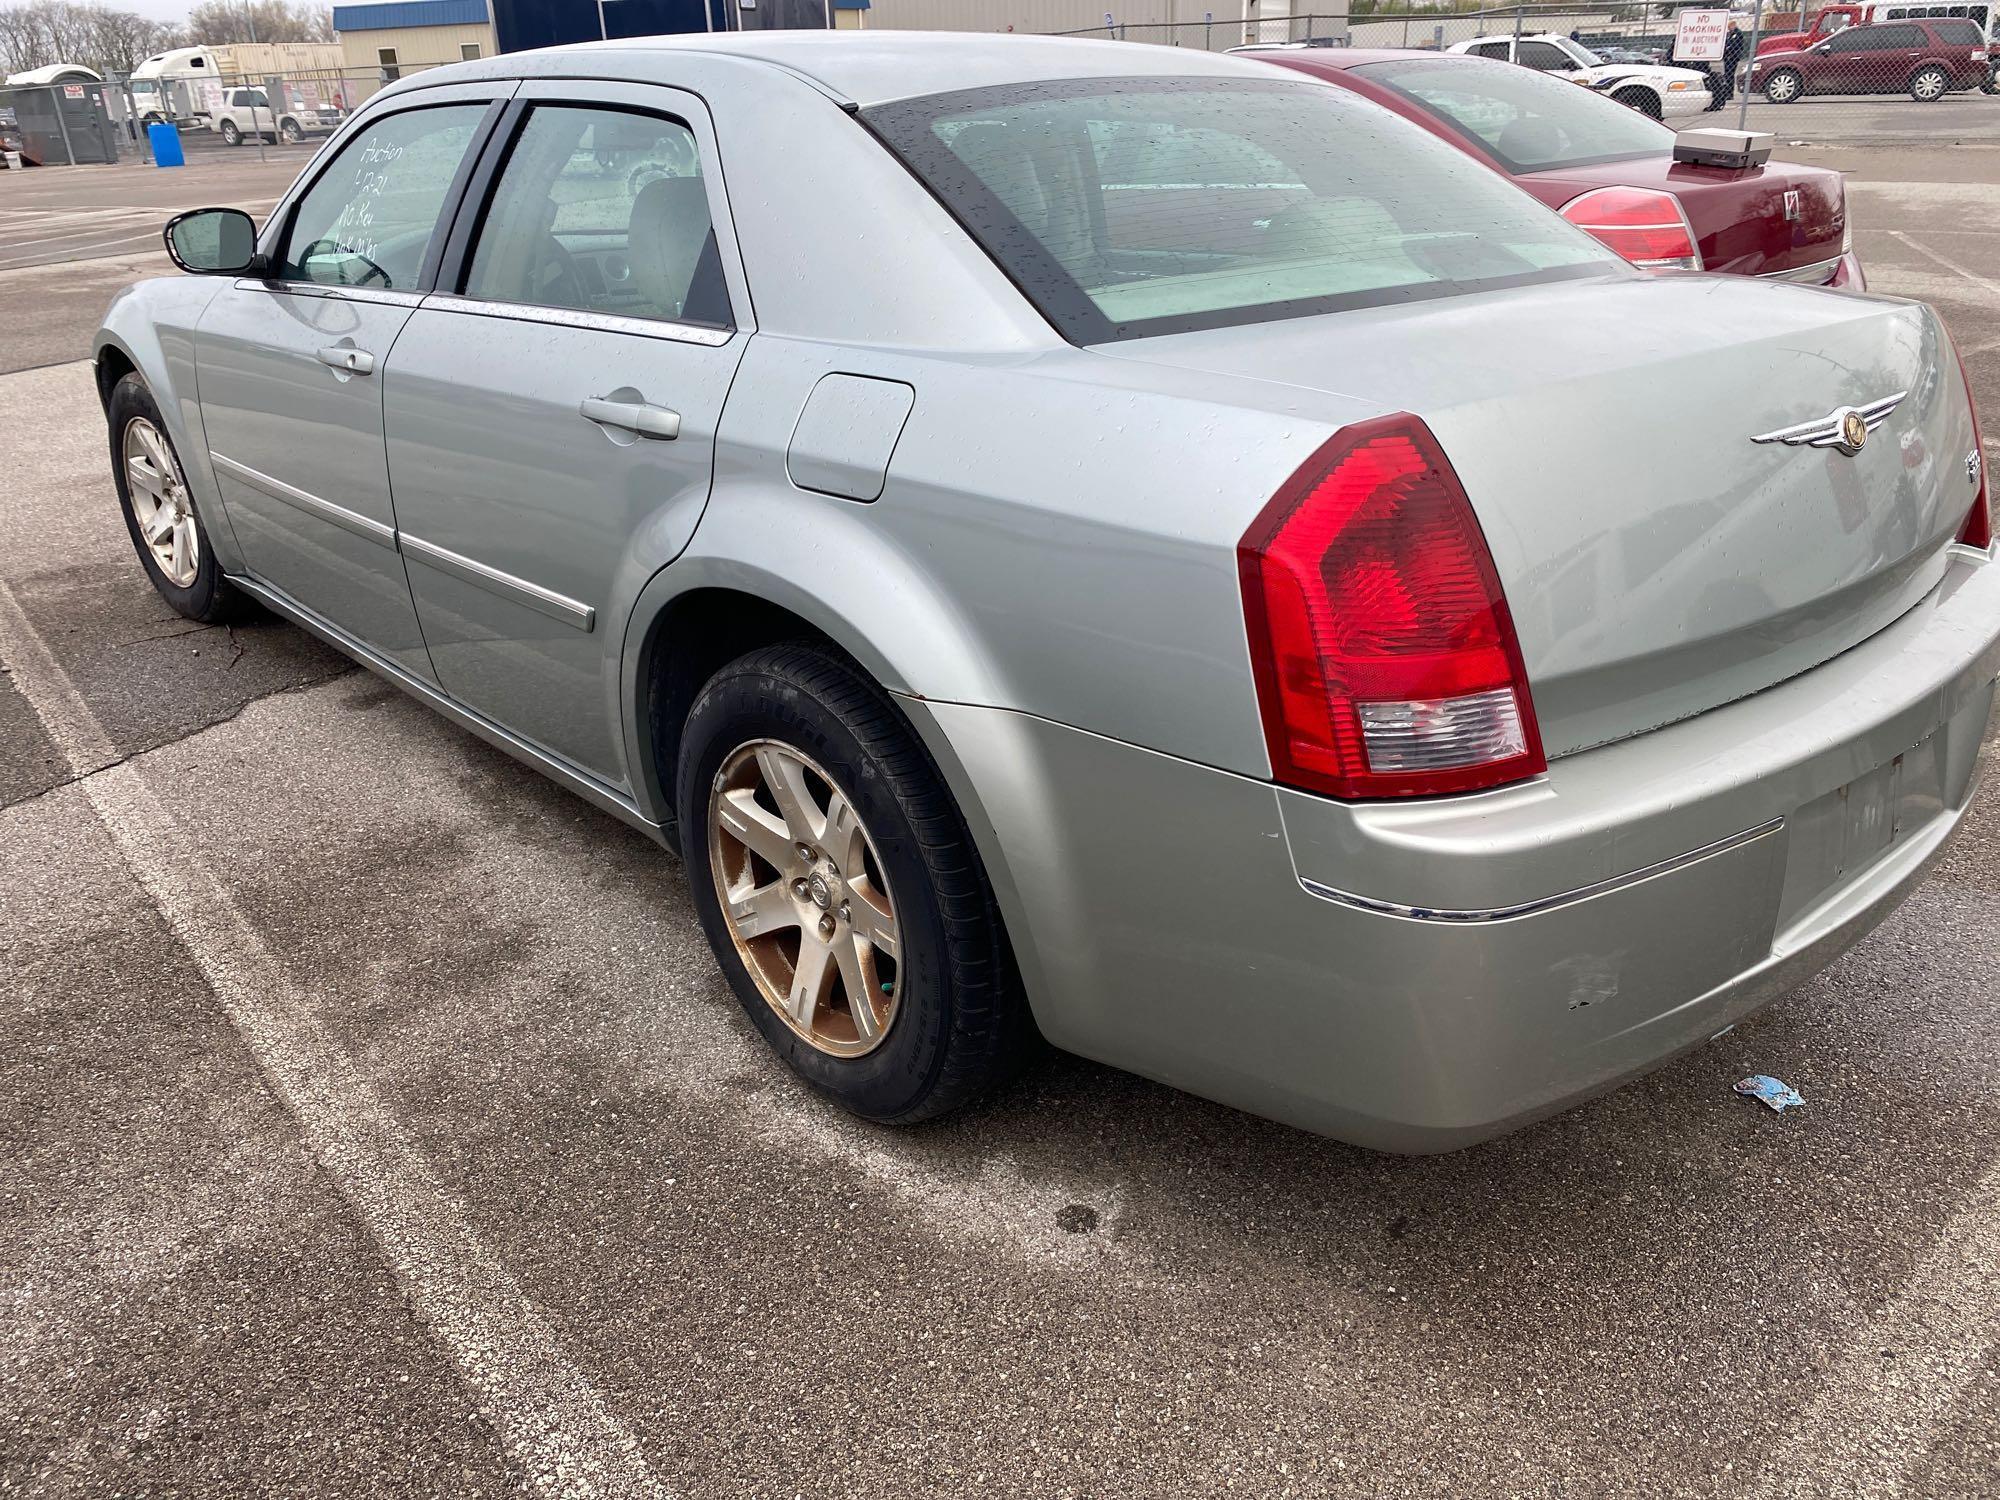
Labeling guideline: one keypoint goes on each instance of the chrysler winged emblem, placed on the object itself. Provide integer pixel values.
(1845, 428)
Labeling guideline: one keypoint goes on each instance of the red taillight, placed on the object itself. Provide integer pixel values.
(1978, 528)
(1648, 228)
(1386, 660)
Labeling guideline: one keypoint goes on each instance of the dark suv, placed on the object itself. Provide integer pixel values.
(1929, 58)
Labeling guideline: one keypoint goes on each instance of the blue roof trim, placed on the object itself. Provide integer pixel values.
(850, 4)
(400, 13)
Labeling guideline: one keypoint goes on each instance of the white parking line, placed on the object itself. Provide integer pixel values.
(1991, 288)
(77, 252)
(1875, 1417)
(551, 1420)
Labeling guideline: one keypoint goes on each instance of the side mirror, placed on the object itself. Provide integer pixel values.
(213, 241)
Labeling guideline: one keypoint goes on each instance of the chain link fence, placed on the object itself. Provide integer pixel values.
(1871, 72)
(248, 117)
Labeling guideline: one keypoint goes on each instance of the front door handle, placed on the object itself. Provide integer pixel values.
(632, 416)
(347, 359)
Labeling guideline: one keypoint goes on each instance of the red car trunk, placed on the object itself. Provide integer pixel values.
(1776, 219)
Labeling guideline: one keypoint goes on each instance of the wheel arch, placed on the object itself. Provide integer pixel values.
(703, 611)
(718, 615)
(149, 331)
(1657, 110)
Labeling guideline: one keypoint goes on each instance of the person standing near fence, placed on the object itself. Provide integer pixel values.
(1721, 90)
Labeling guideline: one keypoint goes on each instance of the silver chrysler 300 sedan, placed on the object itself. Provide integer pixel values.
(1099, 540)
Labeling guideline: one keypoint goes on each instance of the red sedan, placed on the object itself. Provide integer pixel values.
(1606, 168)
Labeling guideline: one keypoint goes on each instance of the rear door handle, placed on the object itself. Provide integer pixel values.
(633, 416)
(347, 359)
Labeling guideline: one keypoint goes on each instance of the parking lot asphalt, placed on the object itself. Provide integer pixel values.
(376, 1122)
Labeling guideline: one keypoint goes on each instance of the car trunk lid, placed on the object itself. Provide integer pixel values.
(1757, 221)
(1657, 561)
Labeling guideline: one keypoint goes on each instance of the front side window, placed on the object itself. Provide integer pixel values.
(1529, 122)
(1857, 39)
(1546, 57)
(1128, 207)
(602, 210)
(369, 217)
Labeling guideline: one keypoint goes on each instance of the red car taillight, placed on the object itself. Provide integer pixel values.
(1648, 228)
(1978, 528)
(1385, 657)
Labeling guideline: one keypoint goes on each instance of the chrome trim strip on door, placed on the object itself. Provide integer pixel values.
(386, 295)
(533, 595)
(1544, 903)
(366, 527)
(569, 317)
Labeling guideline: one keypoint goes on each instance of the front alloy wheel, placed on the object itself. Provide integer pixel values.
(1782, 87)
(160, 506)
(803, 892)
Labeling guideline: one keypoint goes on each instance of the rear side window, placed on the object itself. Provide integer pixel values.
(369, 217)
(1958, 33)
(1529, 122)
(1129, 207)
(602, 210)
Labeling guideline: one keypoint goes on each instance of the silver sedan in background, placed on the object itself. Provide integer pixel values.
(1099, 541)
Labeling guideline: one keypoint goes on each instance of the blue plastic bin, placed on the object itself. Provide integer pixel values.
(166, 145)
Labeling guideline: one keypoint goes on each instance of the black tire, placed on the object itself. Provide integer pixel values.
(290, 133)
(1789, 91)
(960, 1024)
(209, 598)
(231, 136)
(1929, 84)
(1644, 100)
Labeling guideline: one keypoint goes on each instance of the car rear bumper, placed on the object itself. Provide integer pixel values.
(1420, 976)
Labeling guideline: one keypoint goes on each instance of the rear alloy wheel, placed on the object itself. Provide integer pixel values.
(1783, 86)
(1930, 85)
(1644, 100)
(812, 917)
(838, 885)
(231, 136)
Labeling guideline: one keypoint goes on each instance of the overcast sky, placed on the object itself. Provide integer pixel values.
(158, 10)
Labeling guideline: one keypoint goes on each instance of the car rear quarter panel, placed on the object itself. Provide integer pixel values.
(1056, 535)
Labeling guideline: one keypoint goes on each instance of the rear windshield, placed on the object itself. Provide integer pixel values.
(1128, 207)
(1529, 121)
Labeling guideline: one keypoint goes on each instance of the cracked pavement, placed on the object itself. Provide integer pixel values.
(375, 1122)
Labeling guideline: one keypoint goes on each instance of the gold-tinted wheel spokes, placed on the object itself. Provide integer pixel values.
(160, 502)
(805, 897)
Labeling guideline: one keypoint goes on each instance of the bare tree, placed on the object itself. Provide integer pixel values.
(216, 22)
(43, 32)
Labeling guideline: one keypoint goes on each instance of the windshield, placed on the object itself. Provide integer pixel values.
(1530, 121)
(1580, 52)
(1129, 207)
